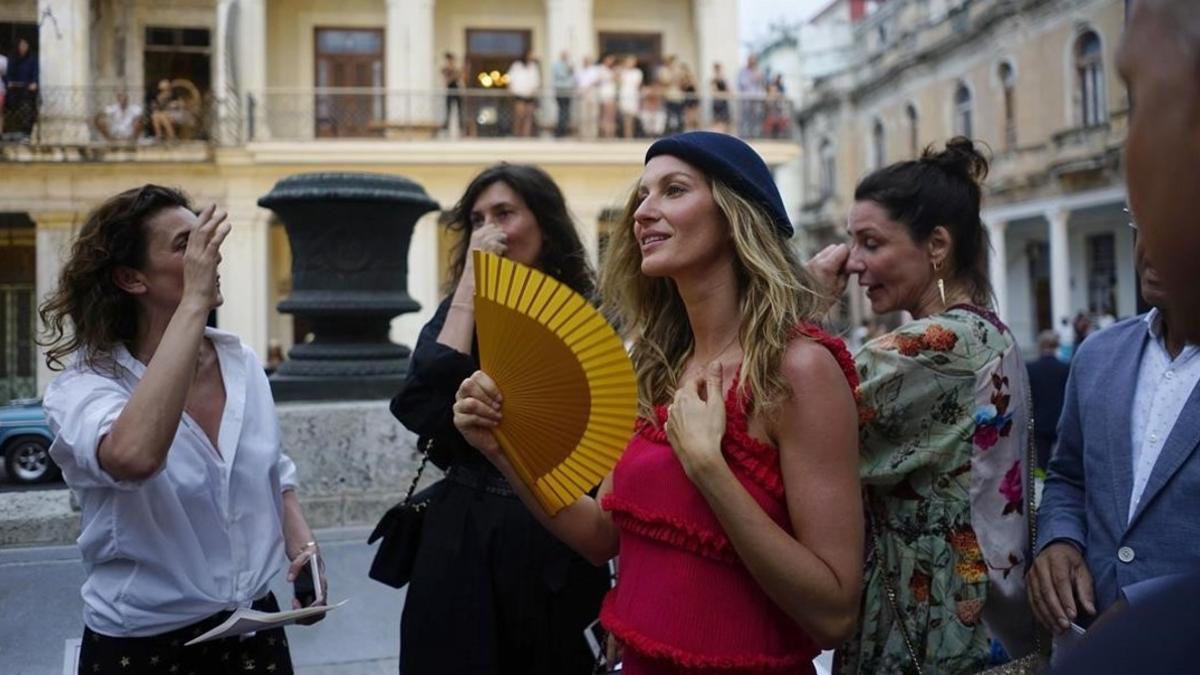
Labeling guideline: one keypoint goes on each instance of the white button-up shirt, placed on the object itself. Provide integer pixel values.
(1163, 387)
(203, 534)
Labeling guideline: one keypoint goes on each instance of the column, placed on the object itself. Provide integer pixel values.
(1060, 268)
(225, 97)
(716, 22)
(569, 29)
(55, 231)
(251, 67)
(409, 63)
(244, 272)
(64, 51)
(998, 266)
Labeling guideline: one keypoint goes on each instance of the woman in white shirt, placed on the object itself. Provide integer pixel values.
(524, 81)
(606, 91)
(166, 432)
(630, 94)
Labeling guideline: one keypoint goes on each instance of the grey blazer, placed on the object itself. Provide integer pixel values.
(1086, 497)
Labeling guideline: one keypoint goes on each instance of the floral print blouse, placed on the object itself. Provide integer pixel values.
(943, 422)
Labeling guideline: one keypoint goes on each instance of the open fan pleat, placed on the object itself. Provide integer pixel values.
(570, 395)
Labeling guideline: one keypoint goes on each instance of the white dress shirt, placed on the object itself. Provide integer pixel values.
(203, 534)
(524, 79)
(1163, 387)
(121, 120)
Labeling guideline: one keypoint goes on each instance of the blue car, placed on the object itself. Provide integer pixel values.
(25, 441)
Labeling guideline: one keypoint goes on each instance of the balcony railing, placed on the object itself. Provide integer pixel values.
(88, 118)
(91, 117)
(480, 113)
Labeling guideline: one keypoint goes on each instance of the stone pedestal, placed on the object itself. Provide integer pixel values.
(353, 459)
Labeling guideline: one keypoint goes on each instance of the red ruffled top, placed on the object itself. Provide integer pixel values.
(684, 602)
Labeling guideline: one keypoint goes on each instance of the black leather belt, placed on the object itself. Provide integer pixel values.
(480, 479)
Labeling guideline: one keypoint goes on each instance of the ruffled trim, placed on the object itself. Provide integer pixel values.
(732, 663)
(836, 346)
(654, 431)
(758, 461)
(670, 530)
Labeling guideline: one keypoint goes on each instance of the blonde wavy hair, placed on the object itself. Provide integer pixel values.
(775, 293)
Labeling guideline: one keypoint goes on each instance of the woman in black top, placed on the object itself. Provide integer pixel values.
(720, 102)
(491, 591)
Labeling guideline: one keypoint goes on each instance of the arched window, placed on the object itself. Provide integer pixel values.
(828, 167)
(1089, 76)
(914, 142)
(878, 145)
(962, 111)
(1008, 82)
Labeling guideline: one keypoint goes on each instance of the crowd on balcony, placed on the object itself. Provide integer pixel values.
(173, 110)
(618, 96)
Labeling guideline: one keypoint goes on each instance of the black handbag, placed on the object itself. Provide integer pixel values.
(400, 529)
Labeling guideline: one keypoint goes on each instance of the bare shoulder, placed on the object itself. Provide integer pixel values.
(810, 368)
(817, 422)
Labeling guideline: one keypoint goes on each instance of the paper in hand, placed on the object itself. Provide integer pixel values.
(246, 620)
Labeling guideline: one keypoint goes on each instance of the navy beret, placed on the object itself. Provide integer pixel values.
(731, 161)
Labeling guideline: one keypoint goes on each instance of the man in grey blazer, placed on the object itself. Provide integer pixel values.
(1120, 513)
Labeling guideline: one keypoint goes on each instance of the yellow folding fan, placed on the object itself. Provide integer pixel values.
(570, 396)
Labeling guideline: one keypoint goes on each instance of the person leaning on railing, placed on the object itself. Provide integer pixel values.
(524, 82)
(452, 80)
(21, 100)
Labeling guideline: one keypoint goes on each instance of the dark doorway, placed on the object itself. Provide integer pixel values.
(183, 57)
(1039, 285)
(1102, 273)
(18, 299)
(490, 53)
(349, 79)
(647, 47)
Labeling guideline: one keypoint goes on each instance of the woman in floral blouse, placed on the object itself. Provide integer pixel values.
(943, 426)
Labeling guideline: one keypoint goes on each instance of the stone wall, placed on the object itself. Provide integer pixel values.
(353, 460)
(37, 518)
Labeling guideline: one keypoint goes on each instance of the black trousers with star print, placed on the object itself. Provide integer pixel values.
(265, 652)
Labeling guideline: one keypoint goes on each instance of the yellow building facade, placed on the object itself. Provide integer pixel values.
(1036, 82)
(277, 87)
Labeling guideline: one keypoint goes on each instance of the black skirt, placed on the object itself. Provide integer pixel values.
(492, 592)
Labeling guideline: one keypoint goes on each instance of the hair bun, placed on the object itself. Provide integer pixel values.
(960, 158)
